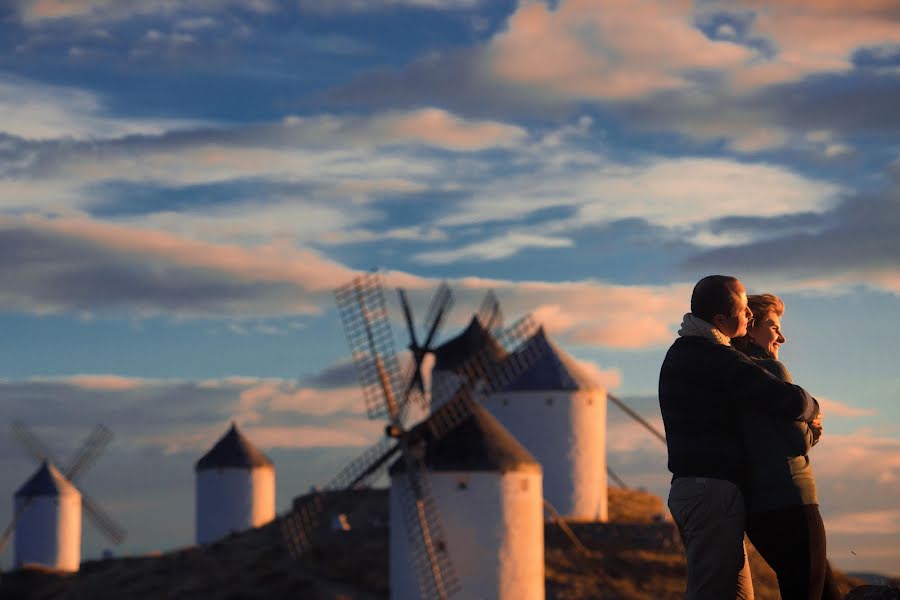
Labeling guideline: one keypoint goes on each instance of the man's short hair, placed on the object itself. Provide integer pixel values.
(715, 295)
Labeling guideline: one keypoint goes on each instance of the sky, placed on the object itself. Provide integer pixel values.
(183, 184)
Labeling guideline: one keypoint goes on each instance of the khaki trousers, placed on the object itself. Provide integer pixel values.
(710, 516)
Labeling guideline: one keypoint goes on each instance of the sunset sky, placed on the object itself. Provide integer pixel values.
(183, 184)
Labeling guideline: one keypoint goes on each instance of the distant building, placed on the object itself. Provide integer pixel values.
(457, 353)
(486, 489)
(235, 488)
(48, 527)
(559, 414)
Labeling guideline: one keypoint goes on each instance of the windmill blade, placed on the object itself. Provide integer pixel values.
(439, 308)
(364, 316)
(407, 314)
(485, 372)
(490, 314)
(366, 466)
(299, 527)
(103, 521)
(616, 478)
(431, 558)
(89, 451)
(647, 425)
(31, 443)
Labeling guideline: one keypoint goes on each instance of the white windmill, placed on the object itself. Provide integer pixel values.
(559, 414)
(48, 507)
(553, 408)
(417, 513)
(235, 488)
(487, 489)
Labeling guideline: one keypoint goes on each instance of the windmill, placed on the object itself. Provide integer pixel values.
(83, 458)
(387, 393)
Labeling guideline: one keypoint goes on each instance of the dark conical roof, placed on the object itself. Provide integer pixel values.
(453, 353)
(553, 370)
(46, 481)
(478, 443)
(233, 450)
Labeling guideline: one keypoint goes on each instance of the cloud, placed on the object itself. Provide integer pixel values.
(35, 12)
(436, 127)
(785, 69)
(854, 244)
(813, 37)
(493, 249)
(358, 6)
(831, 408)
(609, 50)
(177, 415)
(681, 194)
(593, 313)
(882, 522)
(60, 265)
(88, 267)
(326, 158)
(40, 111)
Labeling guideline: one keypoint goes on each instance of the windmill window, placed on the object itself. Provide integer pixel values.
(462, 483)
(590, 401)
(549, 401)
(505, 402)
(524, 485)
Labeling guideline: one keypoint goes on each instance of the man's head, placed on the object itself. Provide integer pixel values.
(722, 301)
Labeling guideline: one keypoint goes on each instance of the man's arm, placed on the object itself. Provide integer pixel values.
(761, 391)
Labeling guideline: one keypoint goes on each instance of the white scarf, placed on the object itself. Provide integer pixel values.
(697, 327)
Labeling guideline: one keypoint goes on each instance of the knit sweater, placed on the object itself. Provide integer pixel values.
(703, 384)
(778, 472)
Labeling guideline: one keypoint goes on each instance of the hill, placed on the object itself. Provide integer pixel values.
(636, 556)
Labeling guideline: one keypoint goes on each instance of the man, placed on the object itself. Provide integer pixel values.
(703, 384)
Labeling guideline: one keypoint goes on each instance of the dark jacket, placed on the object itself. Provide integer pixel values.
(702, 388)
(779, 473)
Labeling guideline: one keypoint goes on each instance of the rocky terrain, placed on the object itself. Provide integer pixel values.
(636, 556)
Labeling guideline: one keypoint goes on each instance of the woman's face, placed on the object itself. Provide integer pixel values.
(766, 333)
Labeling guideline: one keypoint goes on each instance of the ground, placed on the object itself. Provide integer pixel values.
(636, 556)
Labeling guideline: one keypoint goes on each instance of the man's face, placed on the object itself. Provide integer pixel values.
(735, 326)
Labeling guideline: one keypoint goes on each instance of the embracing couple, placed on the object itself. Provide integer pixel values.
(739, 433)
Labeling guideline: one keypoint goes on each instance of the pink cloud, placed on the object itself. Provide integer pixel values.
(436, 127)
(815, 37)
(882, 522)
(834, 408)
(598, 314)
(271, 279)
(110, 383)
(613, 50)
(361, 433)
(620, 49)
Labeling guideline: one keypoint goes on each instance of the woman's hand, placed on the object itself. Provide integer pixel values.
(816, 427)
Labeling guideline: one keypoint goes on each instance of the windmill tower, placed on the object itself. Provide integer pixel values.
(49, 532)
(559, 414)
(48, 507)
(235, 488)
(389, 392)
(487, 489)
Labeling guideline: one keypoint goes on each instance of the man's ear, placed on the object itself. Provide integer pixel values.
(719, 320)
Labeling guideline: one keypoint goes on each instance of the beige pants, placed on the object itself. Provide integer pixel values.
(710, 516)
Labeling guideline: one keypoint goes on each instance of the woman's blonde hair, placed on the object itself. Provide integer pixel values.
(760, 305)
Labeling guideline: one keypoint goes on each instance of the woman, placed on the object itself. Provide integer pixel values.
(783, 519)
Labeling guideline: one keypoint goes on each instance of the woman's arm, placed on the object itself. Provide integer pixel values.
(808, 433)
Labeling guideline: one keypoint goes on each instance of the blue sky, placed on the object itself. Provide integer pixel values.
(182, 185)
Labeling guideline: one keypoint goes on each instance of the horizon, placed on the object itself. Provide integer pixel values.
(183, 187)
